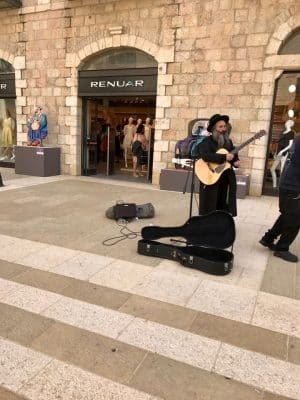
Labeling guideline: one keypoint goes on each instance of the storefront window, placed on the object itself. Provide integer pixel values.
(120, 58)
(7, 114)
(285, 127)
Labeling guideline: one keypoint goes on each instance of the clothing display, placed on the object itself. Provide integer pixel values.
(129, 132)
(7, 133)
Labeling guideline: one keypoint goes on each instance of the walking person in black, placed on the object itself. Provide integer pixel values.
(287, 224)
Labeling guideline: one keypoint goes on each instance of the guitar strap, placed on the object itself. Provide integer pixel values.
(211, 261)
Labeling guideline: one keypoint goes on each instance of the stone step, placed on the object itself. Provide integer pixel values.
(168, 283)
(250, 368)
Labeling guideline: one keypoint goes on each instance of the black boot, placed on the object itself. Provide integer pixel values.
(267, 243)
(286, 256)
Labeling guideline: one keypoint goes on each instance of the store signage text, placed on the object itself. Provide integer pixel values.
(118, 84)
(112, 83)
(7, 85)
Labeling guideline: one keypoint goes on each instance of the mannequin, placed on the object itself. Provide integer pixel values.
(284, 143)
(129, 132)
(8, 127)
(138, 147)
(148, 127)
(37, 133)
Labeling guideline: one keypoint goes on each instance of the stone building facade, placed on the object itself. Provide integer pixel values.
(214, 56)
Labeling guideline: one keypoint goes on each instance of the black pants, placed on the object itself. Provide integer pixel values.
(219, 196)
(287, 224)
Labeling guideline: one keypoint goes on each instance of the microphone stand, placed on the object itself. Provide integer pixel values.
(192, 185)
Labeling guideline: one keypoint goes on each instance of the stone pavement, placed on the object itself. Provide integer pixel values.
(80, 320)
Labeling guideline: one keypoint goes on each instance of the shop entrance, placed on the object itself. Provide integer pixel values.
(285, 122)
(8, 124)
(105, 120)
(118, 88)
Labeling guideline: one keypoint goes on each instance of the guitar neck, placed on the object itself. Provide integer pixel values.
(241, 146)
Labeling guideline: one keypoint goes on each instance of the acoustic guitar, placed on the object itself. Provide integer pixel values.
(209, 173)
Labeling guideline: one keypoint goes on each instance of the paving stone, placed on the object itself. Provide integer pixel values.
(279, 278)
(96, 294)
(62, 381)
(6, 394)
(8, 269)
(42, 280)
(158, 311)
(21, 326)
(98, 354)
(172, 380)
(242, 335)
(19, 364)
(294, 350)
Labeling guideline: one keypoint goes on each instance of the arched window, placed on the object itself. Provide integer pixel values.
(5, 67)
(119, 58)
(291, 44)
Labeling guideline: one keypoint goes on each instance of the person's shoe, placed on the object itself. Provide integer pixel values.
(286, 256)
(265, 243)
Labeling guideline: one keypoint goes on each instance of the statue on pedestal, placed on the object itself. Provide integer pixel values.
(37, 127)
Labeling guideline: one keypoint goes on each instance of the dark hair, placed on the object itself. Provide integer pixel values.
(140, 129)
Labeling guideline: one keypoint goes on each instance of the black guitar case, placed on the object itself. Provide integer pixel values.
(206, 238)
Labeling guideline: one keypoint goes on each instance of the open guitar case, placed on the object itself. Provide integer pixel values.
(206, 238)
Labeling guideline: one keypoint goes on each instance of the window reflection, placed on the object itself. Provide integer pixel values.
(120, 58)
(284, 127)
(5, 66)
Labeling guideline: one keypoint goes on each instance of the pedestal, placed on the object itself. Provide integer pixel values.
(37, 161)
(242, 186)
(175, 180)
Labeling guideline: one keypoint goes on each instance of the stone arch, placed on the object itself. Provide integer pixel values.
(281, 33)
(162, 55)
(5, 55)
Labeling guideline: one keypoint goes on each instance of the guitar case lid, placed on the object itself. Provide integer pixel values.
(213, 230)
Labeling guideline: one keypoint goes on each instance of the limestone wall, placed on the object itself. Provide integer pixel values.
(213, 56)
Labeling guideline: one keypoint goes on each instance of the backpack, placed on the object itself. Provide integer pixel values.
(187, 147)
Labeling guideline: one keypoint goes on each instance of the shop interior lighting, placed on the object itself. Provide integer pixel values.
(292, 88)
(291, 113)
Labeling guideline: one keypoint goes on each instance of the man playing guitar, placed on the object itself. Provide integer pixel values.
(222, 194)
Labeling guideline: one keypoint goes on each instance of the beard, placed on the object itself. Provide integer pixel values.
(222, 139)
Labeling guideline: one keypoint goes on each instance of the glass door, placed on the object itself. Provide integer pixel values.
(285, 126)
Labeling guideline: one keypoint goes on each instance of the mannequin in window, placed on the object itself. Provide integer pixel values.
(284, 143)
(148, 128)
(7, 141)
(138, 147)
(37, 127)
(129, 132)
(138, 123)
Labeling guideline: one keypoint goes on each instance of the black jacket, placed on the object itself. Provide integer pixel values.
(207, 151)
(290, 177)
(222, 194)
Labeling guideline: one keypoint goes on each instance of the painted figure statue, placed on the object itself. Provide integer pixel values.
(37, 127)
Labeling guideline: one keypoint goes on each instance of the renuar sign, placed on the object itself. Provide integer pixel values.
(118, 83)
(7, 85)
